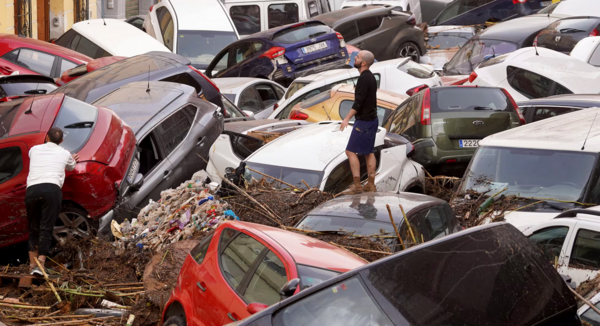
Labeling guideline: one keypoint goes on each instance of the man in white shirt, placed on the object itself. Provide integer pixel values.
(47, 165)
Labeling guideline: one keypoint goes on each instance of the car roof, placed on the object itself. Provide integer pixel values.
(135, 105)
(214, 15)
(233, 85)
(306, 250)
(382, 95)
(348, 14)
(310, 148)
(118, 37)
(341, 205)
(564, 132)
(519, 29)
(15, 42)
(580, 100)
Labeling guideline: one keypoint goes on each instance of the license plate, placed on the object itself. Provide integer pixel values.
(468, 142)
(546, 3)
(133, 170)
(314, 47)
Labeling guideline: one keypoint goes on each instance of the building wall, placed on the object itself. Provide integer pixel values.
(62, 15)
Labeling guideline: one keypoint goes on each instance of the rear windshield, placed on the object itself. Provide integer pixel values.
(300, 33)
(311, 276)
(21, 88)
(573, 25)
(77, 120)
(461, 99)
(416, 70)
(358, 226)
(447, 40)
(315, 100)
(8, 110)
(473, 53)
(294, 87)
(202, 46)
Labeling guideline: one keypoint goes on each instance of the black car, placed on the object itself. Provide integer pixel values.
(471, 12)
(487, 275)
(548, 107)
(22, 85)
(366, 214)
(496, 40)
(152, 66)
(388, 34)
(564, 34)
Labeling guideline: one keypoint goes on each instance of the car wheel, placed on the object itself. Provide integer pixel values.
(73, 223)
(409, 50)
(175, 321)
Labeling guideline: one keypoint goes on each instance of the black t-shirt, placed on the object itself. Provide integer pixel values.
(365, 97)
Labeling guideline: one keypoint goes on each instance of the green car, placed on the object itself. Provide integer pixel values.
(445, 124)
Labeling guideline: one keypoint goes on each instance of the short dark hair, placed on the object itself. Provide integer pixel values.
(55, 135)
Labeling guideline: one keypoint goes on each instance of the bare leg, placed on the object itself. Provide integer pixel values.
(354, 163)
(371, 164)
(32, 255)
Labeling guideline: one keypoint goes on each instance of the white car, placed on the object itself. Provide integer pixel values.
(571, 240)
(255, 96)
(195, 29)
(413, 6)
(577, 8)
(587, 51)
(530, 73)
(588, 314)
(315, 154)
(396, 75)
(99, 38)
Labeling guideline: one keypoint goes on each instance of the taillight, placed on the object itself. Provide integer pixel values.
(341, 38)
(594, 33)
(519, 1)
(151, 7)
(275, 106)
(472, 77)
(415, 90)
(273, 52)
(299, 24)
(426, 108)
(297, 115)
(411, 20)
(205, 77)
(514, 104)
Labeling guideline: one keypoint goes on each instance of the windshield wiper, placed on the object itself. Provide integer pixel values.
(570, 30)
(80, 125)
(482, 108)
(316, 34)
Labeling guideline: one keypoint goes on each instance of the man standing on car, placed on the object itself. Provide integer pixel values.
(47, 165)
(362, 139)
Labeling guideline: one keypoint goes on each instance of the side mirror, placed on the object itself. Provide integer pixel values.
(256, 307)
(250, 114)
(218, 114)
(138, 182)
(288, 289)
(432, 22)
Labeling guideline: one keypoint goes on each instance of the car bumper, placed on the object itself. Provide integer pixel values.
(429, 155)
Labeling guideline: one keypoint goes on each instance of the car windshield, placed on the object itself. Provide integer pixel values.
(359, 226)
(300, 33)
(289, 175)
(531, 173)
(473, 53)
(447, 40)
(77, 120)
(231, 111)
(294, 87)
(202, 46)
(311, 276)
(20, 88)
(416, 70)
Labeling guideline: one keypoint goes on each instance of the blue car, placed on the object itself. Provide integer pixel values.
(282, 54)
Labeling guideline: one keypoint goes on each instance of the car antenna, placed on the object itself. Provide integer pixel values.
(148, 88)
(31, 105)
(327, 113)
(588, 134)
(535, 47)
(352, 78)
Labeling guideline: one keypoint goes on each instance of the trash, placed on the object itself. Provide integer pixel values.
(115, 228)
(231, 214)
(99, 312)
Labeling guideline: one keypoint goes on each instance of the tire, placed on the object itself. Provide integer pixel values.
(73, 223)
(175, 321)
(409, 49)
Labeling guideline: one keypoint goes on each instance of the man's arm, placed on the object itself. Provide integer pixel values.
(347, 119)
(73, 159)
(360, 96)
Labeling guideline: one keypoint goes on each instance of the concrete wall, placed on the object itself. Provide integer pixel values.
(117, 11)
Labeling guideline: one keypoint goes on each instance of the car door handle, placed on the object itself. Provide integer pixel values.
(19, 187)
(7, 68)
(200, 140)
(201, 287)
(167, 174)
(230, 315)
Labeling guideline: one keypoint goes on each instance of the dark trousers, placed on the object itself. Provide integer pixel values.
(43, 203)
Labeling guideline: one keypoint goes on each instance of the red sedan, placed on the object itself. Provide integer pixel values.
(105, 146)
(31, 56)
(242, 267)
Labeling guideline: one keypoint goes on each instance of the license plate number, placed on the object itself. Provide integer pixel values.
(314, 47)
(546, 3)
(468, 143)
(133, 170)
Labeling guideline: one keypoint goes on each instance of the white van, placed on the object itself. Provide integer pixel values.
(250, 16)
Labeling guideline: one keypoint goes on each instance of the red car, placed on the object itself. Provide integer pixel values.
(83, 69)
(242, 267)
(105, 146)
(31, 56)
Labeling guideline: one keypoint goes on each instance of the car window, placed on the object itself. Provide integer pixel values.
(348, 30)
(266, 282)
(76, 119)
(36, 61)
(138, 23)
(459, 7)
(312, 9)
(173, 130)
(311, 276)
(586, 250)
(242, 145)
(590, 317)
(542, 113)
(166, 26)
(394, 123)
(237, 258)
(246, 18)
(231, 111)
(345, 303)
(346, 106)
(432, 223)
(250, 101)
(11, 163)
(528, 83)
(341, 178)
(550, 240)
(416, 70)
(199, 251)
(201, 46)
(267, 95)
(66, 39)
(66, 65)
(282, 14)
(463, 99)
(294, 87)
(283, 114)
(368, 24)
(85, 46)
(595, 57)
(300, 32)
(411, 119)
(11, 56)
(21, 88)
(245, 50)
(221, 65)
(280, 92)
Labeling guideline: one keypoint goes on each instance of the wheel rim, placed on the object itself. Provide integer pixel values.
(71, 225)
(409, 51)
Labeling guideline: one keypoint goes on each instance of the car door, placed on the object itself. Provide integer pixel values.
(221, 64)
(269, 96)
(583, 252)
(201, 255)
(27, 61)
(553, 239)
(350, 33)
(373, 37)
(14, 167)
(243, 55)
(250, 101)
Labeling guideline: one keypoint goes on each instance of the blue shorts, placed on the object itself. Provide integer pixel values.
(362, 139)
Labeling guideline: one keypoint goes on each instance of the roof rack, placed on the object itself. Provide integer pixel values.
(574, 212)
